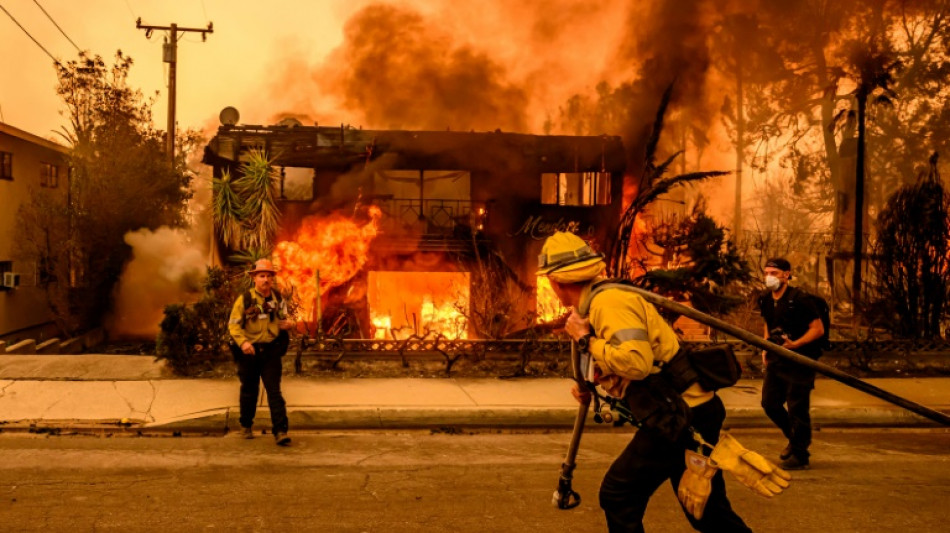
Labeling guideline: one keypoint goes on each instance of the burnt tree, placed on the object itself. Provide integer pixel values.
(913, 270)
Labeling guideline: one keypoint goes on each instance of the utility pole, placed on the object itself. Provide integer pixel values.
(170, 56)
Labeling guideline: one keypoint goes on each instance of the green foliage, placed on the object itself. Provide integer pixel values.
(706, 268)
(226, 210)
(120, 180)
(245, 210)
(192, 337)
(911, 257)
(177, 340)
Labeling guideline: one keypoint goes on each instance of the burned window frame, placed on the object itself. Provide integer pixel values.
(593, 188)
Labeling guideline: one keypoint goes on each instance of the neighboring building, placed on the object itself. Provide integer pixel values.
(26, 162)
(449, 200)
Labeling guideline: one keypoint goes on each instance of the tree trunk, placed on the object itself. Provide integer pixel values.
(859, 204)
(740, 149)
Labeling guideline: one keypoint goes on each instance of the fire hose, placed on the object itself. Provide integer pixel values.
(566, 498)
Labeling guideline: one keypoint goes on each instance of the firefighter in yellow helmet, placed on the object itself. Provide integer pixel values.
(629, 342)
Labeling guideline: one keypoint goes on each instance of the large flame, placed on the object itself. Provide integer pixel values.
(335, 246)
(425, 304)
(548, 305)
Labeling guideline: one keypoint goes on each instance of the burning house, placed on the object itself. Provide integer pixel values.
(389, 233)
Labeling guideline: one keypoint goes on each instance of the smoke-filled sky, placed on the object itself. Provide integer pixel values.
(415, 64)
(231, 68)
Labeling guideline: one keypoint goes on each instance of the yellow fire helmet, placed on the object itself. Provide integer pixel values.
(566, 258)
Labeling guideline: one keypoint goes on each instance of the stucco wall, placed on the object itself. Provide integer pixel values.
(24, 307)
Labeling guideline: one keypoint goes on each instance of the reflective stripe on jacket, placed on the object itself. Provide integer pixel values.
(630, 335)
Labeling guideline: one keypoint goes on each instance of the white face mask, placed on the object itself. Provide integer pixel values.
(773, 283)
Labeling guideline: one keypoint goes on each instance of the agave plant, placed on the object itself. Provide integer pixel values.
(259, 213)
(227, 210)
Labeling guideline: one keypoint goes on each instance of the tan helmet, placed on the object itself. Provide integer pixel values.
(565, 251)
(262, 265)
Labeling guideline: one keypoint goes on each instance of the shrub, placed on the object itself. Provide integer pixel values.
(195, 336)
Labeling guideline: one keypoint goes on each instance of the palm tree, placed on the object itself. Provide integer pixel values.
(873, 68)
(652, 185)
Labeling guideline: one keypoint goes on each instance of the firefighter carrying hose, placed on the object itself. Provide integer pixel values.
(632, 349)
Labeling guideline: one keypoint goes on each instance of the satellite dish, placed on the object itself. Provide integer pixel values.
(290, 122)
(229, 116)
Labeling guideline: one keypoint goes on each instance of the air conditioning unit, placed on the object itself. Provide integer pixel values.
(11, 280)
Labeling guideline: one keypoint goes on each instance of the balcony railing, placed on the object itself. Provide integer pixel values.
(428, 216)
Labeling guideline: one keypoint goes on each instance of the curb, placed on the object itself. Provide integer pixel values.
(224, 420)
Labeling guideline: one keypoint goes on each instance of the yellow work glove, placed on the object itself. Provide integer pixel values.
(696, 483)
(750, 468)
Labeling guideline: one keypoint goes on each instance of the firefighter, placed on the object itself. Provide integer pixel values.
(259, 330)
(629, 342)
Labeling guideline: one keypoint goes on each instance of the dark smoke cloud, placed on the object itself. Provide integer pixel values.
(402, 72)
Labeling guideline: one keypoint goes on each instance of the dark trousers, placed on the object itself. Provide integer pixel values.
(264, 366)
(648, 461)
(795, 422)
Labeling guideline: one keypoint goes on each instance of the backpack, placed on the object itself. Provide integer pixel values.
(714, 368)
(824, 313)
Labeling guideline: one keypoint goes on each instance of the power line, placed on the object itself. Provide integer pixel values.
(55, 24)
(31, 37)
(170, 56)
(130, 8)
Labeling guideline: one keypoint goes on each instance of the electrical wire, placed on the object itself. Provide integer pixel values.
(30, 36)
(57, 25)
(130, 9)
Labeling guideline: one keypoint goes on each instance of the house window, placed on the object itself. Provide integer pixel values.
(6, 165)
(49, 176)
(5, 266)
(575, 188)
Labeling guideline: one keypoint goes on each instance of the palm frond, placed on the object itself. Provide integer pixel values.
(227, 209)
(666, 185)
(258, 188)
(249, 256)
(664, 166)
(654, 139)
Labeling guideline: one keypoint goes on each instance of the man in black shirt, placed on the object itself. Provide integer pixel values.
(787, 308)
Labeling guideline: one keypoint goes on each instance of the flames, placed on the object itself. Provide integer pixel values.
(548, 305)
(335, 246)
(424, 304)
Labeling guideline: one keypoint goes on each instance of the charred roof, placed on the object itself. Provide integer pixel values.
(343, 148)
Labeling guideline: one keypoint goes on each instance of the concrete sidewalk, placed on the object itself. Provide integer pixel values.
(135, 393)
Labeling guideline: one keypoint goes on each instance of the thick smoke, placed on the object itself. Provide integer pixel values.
(403, 72)
(166, 267)
(564, 66)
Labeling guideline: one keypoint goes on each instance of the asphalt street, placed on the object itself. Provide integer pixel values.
(861, 480)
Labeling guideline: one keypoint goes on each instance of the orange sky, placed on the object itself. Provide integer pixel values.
(245, 61)
(228, 69)
(459, 64)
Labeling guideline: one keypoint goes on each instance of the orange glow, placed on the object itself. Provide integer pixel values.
(418, 303)
(548, 305)
(629, 191)
(336, 246)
